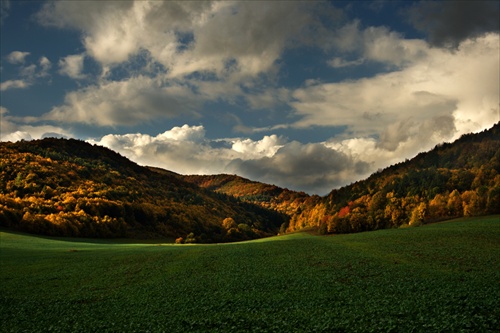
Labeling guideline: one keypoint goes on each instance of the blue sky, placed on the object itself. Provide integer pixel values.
(305, 95)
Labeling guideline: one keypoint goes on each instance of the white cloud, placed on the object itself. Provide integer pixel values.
(184, 133)
(45, 63)
(437, 95)
(71, 66)
(400, 140)
(237, 39)
(385, 46)
(12, 130)
(45, 66)
(373, 44)
(266, 147)
(17, 57)
(181, 149)
(314, 167)
(16, 136)
(28, 73)
(269, 98)
(28, 132)
(14, 84)
(241, 39)
(197, 52)
(210, 51)
(128, 102)
(463, 84)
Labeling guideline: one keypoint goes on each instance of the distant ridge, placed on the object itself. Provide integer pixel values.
(69, 187)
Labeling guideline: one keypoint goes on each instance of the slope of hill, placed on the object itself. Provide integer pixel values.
(269, 196)
(452, 180)
(69, 187)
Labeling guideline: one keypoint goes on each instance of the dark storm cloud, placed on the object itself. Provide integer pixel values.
(447, 23)
(320, 168)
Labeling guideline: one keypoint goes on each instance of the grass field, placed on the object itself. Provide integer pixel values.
(438, 278)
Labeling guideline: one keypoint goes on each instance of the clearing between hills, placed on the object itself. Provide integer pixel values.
(439, 277)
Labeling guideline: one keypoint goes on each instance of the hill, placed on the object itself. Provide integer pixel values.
(71, 188)
(269, 196)
(452, 180)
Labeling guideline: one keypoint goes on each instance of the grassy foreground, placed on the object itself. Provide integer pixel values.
(438, 278)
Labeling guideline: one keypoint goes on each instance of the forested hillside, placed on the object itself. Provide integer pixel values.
(452, 180)
(273, 197)
(71, 188)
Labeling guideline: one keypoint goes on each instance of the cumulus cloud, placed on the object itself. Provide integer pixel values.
(400, 140)
(71, 66)
(16, 136)
(269, 98)
(242, 39)
(184, 133)
(163, 59)
(237, 39)
(266, 147)
(436, 95)
(14, 84)
(417, 136)
(207, 51)
(17, 57)
(375, 44)
(113, 31)
(385, 46)
(12, 130)
(45, 66)
(314, 167)
(128, 102)
(181, 149)
(462, 84)
(28, 73)
(28, 132)
(448, 23)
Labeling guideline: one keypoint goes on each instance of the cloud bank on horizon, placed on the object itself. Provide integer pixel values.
(306, 95)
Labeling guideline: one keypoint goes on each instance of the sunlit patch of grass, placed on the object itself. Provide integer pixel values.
(441, 277)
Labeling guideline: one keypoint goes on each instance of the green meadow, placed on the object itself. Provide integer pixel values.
(442, 277)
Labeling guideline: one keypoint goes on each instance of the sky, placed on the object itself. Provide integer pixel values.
(306, 95)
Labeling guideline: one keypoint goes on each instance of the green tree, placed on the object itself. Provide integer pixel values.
(190, 238)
